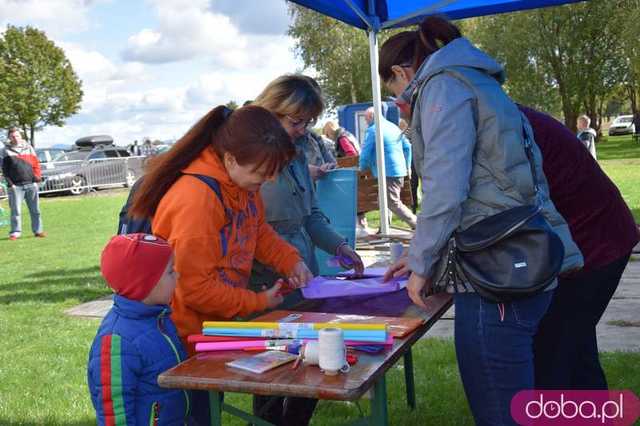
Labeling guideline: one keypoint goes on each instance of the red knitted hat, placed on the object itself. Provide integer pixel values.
(133, 264)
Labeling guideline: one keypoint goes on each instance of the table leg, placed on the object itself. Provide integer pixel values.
(409, 379)
(215, 407)
(379, 415)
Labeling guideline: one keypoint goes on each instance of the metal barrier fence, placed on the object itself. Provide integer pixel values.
(81, 176)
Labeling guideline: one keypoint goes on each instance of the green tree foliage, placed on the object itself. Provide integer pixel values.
(338, 52)
(630, 46)
(232, 105)
(564, 59)
(38, 86)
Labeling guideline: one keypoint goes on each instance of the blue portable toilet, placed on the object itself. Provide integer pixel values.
(337, 195)
(351, 117)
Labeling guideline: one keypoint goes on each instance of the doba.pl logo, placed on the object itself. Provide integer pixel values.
(575, 408)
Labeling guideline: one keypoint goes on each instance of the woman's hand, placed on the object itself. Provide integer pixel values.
(348, 258)
(315, 172)
(274, 298)
(300, 275)
(398, 269)
(327, 166)
(417, 286)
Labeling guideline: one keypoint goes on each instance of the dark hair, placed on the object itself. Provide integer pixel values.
(413, 47)
(433, 33)
(397, 50)
(253, 135)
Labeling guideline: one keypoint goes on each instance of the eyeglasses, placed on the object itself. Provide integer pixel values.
(301, 124)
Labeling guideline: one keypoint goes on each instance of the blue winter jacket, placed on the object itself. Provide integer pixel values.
(135, 343)
(397, 150)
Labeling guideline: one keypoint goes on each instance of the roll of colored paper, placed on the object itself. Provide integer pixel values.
(379, 336)
(289, 325)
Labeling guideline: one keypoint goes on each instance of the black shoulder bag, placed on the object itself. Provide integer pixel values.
(511, 255)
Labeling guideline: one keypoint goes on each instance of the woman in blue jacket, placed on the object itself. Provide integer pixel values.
(290, 201)
(292, 210)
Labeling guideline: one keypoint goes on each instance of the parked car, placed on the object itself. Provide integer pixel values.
(48, 155)
(622, 125)
(91, 166)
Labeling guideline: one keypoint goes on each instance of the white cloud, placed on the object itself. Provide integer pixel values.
(274, 56)
(187, 30)
(255, 16)
(53, 16)
(148, 94)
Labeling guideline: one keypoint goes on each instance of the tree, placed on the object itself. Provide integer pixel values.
(565, 56)
(631, 48)
(339, 53)
(232, 105)
(38, 86)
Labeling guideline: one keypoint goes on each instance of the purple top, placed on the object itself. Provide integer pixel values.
(600, 222)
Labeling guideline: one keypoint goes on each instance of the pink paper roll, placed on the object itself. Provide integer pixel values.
(229, 346)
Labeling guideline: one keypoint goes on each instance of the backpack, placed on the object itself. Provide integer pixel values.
(352, 140)
(129, 225)
(587, 138)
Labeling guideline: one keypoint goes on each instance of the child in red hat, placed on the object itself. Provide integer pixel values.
(137, 339)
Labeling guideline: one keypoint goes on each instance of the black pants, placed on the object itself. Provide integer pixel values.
(566, 347)
(414, 189)
(282, 411)
(200, 410)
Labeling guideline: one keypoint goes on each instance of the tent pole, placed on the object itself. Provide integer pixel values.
(377, 107)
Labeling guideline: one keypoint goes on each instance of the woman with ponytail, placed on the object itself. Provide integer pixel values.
(216, 234)
(204, 200)
(468, 148)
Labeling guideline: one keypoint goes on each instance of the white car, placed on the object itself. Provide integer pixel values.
(622, 125)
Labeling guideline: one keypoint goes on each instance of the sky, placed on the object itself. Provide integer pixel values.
(151, 68)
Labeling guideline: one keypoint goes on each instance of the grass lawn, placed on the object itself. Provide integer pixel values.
(619, 156)
(43, 361)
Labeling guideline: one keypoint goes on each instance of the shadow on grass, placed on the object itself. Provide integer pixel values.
(55, 287)
(618, 148)
(93, 270)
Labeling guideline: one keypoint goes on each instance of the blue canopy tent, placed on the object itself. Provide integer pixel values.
(375, 15)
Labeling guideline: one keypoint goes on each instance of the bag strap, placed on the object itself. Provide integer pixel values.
(225, 232)
(527, 140)
(528, 149)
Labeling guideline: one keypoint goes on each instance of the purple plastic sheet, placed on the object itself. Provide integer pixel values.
(345, 284)
(324, 287)
(387, 304)
(372, 299)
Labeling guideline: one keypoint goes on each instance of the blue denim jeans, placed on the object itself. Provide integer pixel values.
(28, 193)
(494, 346)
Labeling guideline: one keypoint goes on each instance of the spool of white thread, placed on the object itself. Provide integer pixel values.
(332, 352)
(311, 354)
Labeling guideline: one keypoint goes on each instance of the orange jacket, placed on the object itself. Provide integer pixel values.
(212, 286)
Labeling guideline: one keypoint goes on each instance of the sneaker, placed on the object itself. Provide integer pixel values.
(13, 237)
(40, 234)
